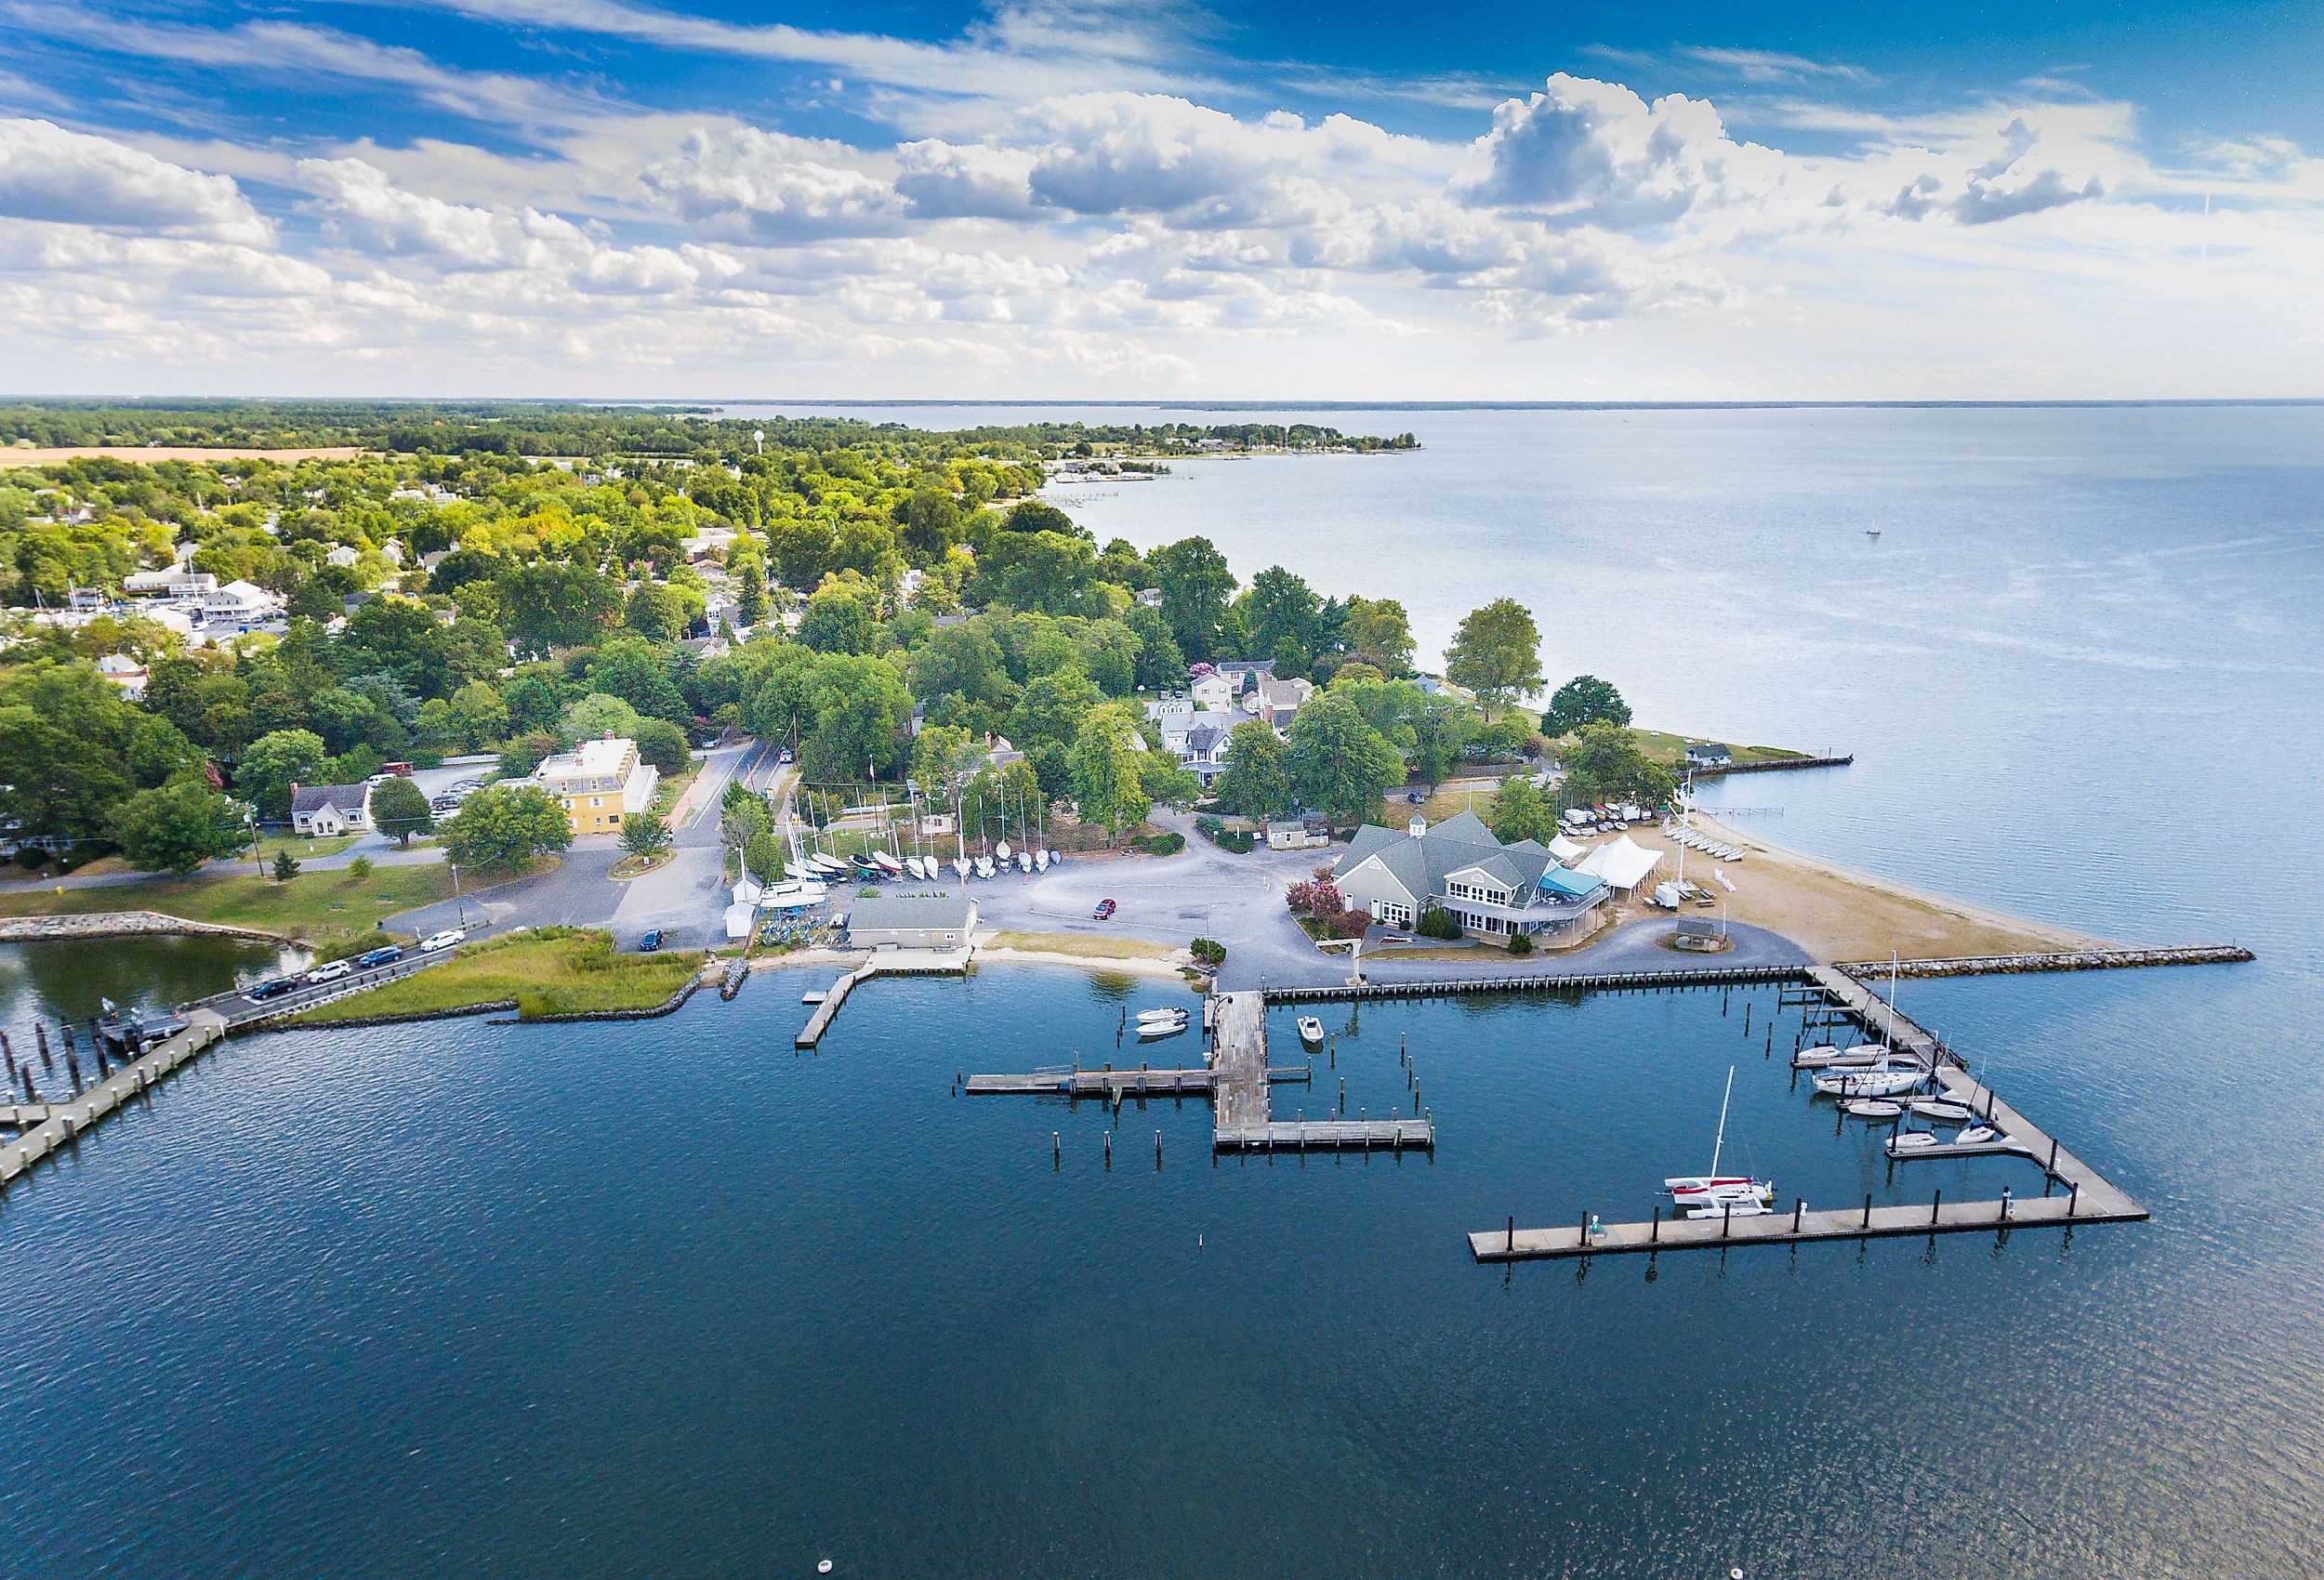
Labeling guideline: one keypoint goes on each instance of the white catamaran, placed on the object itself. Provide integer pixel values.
(1709, 1195)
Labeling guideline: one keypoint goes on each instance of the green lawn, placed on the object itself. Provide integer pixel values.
(310, 904)
(1671, 750)
(546, 971)
(299, 846)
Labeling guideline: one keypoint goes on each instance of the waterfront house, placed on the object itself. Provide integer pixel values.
(599, 784)
(912, 921)
(240, 602)
(1494, 891)
(324, 810)
(1709, 754)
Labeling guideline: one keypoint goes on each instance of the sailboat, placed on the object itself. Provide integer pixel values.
(1709, 1195)
(1883, 1078)
(1872, 531)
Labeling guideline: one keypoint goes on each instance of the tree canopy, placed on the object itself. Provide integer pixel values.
(1583, 699)
(1496, 652)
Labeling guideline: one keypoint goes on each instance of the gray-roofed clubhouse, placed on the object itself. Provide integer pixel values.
(1491, 889)
(912, 921)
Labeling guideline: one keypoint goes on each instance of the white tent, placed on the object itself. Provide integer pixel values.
(1567, 851)
(1620, 863)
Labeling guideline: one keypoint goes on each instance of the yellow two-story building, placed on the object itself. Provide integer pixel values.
(599, 784)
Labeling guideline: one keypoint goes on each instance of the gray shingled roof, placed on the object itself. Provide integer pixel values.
(349, 799)
(1460, 842)
(883, 911)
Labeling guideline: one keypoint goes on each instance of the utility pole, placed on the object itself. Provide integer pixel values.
(459, 903)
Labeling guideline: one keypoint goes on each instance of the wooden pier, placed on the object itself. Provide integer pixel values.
(820, 1022)
(1543, 982)
(887, 963)
(2087, 1196)
(1326, 1135)
(1110, 1083)
(66, 1122)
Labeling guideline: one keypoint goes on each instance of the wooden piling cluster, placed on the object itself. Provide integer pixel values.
(63, 1123)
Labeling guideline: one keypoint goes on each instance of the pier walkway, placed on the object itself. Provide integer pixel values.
(66, 1122)
(885, 963)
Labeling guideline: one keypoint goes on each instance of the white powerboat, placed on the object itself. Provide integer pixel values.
(1175, 1013)
(1709, 1195)
(1311, 1031)
(1826, 1057)
(1150, 1029)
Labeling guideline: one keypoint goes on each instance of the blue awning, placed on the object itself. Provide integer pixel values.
(1558, 880)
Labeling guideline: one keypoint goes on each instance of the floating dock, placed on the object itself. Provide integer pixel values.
(2088, 1197)
(65, 1121)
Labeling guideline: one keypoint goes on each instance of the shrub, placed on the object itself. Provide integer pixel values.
(1236, 840)
(30, 856)
(1435, 922)
(1348, 924)
(1521, 943)
(1208, 951)
(1160, 844)
(360, 869)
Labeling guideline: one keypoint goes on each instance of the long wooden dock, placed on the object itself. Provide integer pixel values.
(1326, 1135)
(2087, 1198)
(885, 963)
(1542, 982)
(65, 1121)
(1109, 1083)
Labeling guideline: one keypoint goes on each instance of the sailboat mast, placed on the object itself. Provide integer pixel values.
(1719, 1143)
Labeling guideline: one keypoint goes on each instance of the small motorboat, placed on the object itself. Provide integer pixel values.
(830, 866)
(886, 864)
(1977, 1135)
(1826, 1057)
(1175, 1012)
(1911, 1140)
(1943, 1108)
(1311, 1031)
(985, 867)
(1873, 1108)
(1150, 1029)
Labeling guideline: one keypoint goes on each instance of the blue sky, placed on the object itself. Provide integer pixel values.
(1063, 199)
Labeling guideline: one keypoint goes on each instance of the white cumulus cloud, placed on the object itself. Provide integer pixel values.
(47, 173)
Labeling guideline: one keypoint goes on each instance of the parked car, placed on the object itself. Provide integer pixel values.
(651, 941)
(330, 972)
(380, 956)
(1105, 909)
(443, 940)
(275, 988)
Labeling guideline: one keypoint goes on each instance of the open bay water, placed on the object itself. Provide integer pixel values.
(664, 1297)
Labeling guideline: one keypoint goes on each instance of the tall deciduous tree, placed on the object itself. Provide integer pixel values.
(175, 827)
(1524, 810)
(1257, 782)
(1195, 586)
(1497, 652)
(273, 763)
(1337, 763)
(1584, 700)
(503, 826)
(399, 809)
(1604, 764)
(1376, 631)
(1106, 758)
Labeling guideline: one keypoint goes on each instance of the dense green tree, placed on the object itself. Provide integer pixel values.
(547, 605)
(1604, 764)
(802, 551)
(656, 612)
(273, 763)
(598, 716)
(399, 809)
(1257, 782)
(1583, 699)
(639, 673)
(662, 745)
(1522, 809)
(502, 827)
(644, 834)
(842, 616)
(1107, 650)
(1441, 727)
(861, 706)
(1280, 612)
(70, 749)
(1040, 516)
(1105, 757)
(1195, 586)
(1052, 708)
(175, 827)
(750, 593)
(763, 856)
(1047, 572)
(1339, 764)
(928, 522)
(1378, 631)
(1161, 665)
(943, 758)
(1497, 653)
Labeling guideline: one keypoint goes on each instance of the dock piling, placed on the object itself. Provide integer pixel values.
(1867, 1209)
(2073, 1198)
(1934, 1203)
(1799, 1205)
(1513, 1230)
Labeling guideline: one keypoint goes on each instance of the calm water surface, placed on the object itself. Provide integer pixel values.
(669, 1298)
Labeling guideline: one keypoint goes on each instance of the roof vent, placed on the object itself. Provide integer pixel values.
(1418, 826)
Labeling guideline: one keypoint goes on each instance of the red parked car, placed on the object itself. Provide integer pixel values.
(1105, 910)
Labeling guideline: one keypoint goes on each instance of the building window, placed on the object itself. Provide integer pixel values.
(1392, 913)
